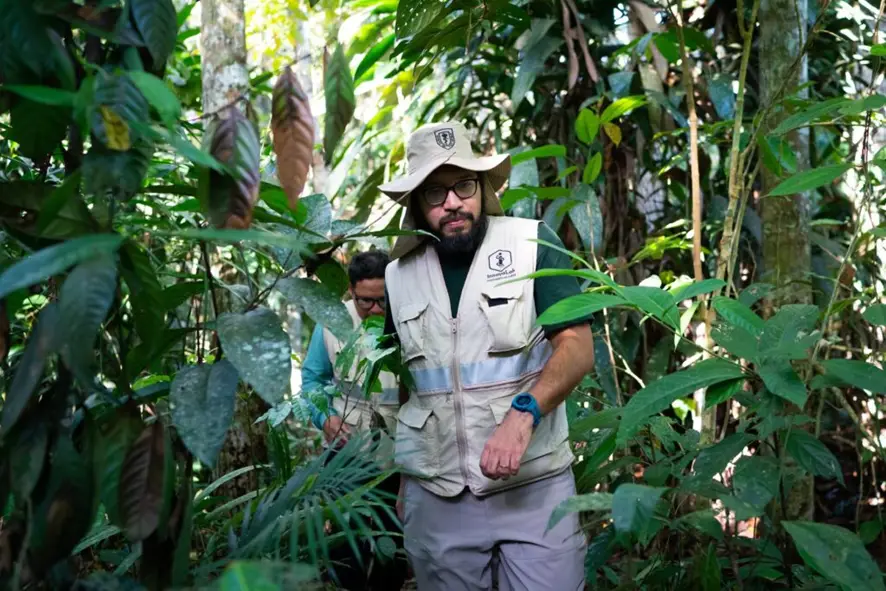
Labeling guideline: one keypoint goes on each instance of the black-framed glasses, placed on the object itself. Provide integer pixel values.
(464, 189)
(367, 303)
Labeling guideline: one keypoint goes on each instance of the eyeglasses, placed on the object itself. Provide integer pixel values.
(464, 189)
(367, 303)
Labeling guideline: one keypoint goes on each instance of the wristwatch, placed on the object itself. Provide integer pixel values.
(526, 402)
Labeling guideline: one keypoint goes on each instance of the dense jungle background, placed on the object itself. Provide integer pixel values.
(181, 184)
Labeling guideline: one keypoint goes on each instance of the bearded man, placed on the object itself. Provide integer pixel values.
(482, 436)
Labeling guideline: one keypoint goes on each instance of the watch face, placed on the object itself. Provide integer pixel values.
(522, 400)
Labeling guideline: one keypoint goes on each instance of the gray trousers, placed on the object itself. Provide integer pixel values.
(451, 542)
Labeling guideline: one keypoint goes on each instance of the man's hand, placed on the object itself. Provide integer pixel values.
(335, 427)
(504, 450)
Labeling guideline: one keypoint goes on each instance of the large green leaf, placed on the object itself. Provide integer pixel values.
(538, 49)
(413, 16)
(659, 395)
(202, 399)
(876, 314)
(46, 95)
(857, 373)
(621, 107)
(697, 288)
(736, 340)
(118, 105)
(548, 151)
(810, 179)
(789, 334)
(157, 22)
(145, 292)
(113, 435)
(320, 303)
(592, 169)
(587, 124)
(755, 481)
(578, 306)
(38, 128)
(714, 459)
(811, 113)
(142, 483)
(738, 314)
(837, 554)
(722, 96)
(580, 503)
(781, 379)
(42, 343)
(655, 302)
(340, 102)
(633, 508)
(704, 521)
(259, 348)
(119, 174)
(587, 217)
(158, 95)
(373, 55)
(27, 47)
(84, 301)
(813, 455)
(27, 455)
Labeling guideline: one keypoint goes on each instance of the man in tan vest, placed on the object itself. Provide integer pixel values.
(482, 432)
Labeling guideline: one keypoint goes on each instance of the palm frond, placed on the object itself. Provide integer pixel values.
(338, 487)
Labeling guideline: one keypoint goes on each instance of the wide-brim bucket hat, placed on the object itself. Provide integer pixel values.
(427, 149)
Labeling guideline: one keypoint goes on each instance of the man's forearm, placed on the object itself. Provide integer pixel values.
(572, 359)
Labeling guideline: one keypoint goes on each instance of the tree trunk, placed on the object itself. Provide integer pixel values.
(786, 250)
(786, 253)
(225, 82)
(223, 53)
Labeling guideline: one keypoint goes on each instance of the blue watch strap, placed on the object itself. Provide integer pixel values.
(526, 402)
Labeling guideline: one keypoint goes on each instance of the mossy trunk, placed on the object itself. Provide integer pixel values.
(225, 82)
(786, 249)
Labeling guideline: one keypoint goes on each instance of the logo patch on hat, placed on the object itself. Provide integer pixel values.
(445, 138)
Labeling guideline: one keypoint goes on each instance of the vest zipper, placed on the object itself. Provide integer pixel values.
(460, 439)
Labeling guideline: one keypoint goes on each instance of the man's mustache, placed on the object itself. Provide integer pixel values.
(454, 217)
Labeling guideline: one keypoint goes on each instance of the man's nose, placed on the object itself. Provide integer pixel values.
(453, 201)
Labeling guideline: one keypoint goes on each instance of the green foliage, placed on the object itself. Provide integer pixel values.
(340, 101)
(259, 349)
(836, 554)
(202, 399)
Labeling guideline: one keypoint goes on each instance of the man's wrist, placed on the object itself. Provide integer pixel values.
(526, 403)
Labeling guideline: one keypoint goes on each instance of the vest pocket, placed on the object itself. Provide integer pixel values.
(542, 442)
(411, 321)
(416, 437)
(505, 311)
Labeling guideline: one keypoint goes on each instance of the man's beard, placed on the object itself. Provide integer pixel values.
(466, 242)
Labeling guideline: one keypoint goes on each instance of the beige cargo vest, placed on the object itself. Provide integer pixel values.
(354, 408)
(467, 370)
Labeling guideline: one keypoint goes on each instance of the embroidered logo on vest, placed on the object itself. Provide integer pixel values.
(501, 264)
(445, 138)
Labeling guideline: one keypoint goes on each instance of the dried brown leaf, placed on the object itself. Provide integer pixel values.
(293, 129)
(141, 484)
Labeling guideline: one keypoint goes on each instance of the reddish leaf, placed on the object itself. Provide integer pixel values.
(293, 129)
(232, 195)
(141, 484)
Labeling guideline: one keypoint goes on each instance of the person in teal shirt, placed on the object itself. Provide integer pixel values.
(366, 274)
